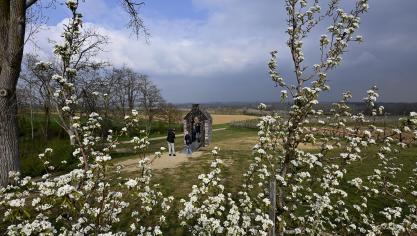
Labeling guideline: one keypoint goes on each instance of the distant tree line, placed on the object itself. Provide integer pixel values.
(250, 108)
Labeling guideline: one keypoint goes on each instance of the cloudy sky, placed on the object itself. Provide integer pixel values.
(217, 50)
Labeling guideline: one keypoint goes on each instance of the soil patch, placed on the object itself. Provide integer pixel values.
(165, 161)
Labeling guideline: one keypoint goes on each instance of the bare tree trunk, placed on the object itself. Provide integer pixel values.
(9, 151)
(149, 125)
(12, 33)
(131, 105)
(130, 99)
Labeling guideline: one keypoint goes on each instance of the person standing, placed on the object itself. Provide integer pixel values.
(171, 142)
(188, 142)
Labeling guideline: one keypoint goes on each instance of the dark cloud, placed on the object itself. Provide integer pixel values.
(388, 57)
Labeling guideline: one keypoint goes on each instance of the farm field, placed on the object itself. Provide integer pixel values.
(224, 119)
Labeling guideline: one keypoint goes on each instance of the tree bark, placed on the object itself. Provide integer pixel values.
(9, 151)
(12, 33)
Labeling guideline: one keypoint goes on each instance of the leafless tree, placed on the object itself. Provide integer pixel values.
(40, 79)
(107, 86)
(171, 114)
(126, 87)
(150, 100)
(119, 95)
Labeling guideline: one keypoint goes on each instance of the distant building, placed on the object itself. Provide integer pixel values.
(201, 116)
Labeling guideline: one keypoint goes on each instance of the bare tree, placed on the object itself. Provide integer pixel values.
(170, 113)
(13, 18)
(119, 98)
(131, 86)
(125, 87)
(38, 75)
(107, 85)
(151, 100)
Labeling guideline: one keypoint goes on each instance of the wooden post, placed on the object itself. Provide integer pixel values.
(272, 208)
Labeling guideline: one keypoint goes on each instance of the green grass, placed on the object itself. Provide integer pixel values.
(178, 181)
(30, 163)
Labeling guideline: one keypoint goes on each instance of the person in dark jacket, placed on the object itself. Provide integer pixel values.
(188, 142)
(171, 142)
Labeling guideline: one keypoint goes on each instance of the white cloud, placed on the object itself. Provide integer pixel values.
(225, 42)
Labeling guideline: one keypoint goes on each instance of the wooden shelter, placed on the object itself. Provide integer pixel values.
(197, 115)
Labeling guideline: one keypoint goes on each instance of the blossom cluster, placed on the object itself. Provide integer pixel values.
(209, 210)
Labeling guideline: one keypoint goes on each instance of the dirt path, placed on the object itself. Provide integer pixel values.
(180, 135)
(165, 161)
(177, 135)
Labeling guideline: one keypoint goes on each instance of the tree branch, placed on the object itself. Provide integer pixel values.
(29, 3)
(135, 23)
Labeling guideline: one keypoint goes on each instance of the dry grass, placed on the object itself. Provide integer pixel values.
(223, 119)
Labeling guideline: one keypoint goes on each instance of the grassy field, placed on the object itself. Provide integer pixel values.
(235, 149)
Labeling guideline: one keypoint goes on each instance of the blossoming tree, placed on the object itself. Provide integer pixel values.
(92, 199)
(289, 190)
